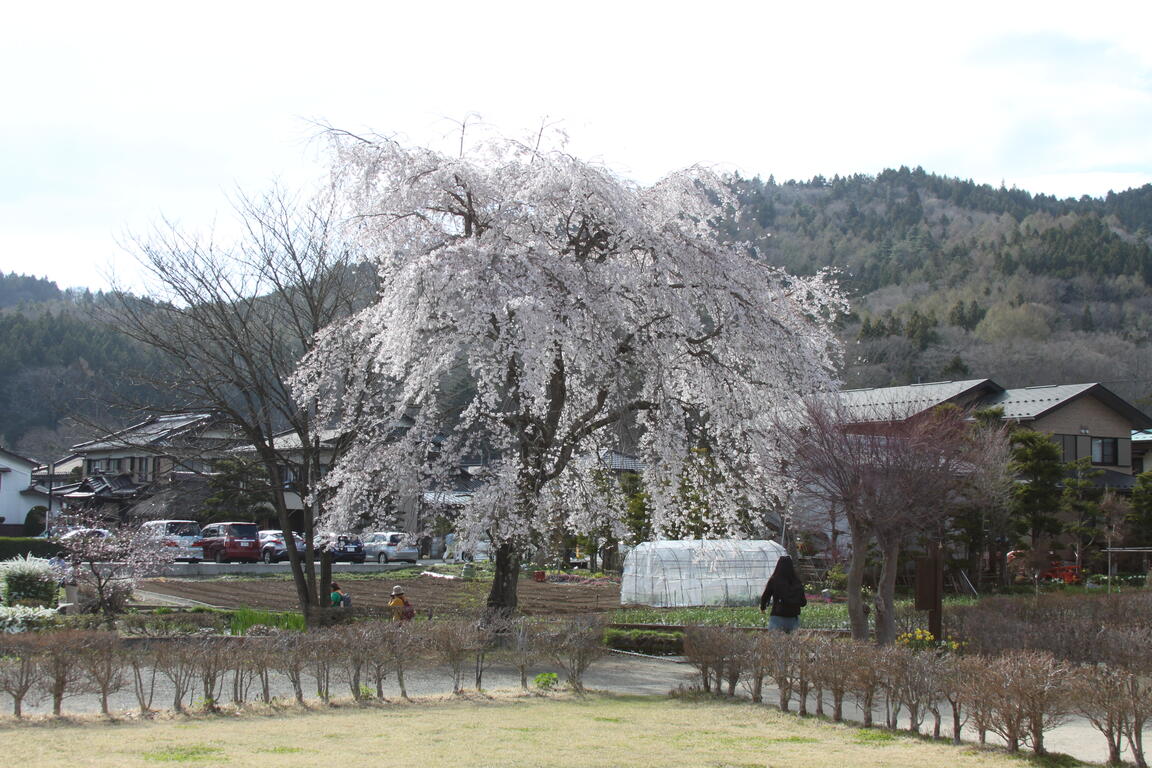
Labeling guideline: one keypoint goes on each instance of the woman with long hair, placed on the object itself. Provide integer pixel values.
(786, 593)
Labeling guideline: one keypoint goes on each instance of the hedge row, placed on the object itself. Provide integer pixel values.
(17, 546)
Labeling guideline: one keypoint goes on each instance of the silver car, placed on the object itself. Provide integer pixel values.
(390, 546)
(177, 535)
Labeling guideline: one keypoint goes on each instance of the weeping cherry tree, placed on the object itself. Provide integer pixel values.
(574, 304)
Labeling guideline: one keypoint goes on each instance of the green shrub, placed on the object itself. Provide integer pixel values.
(16, 546)
(546, 681)
(246, 618)
(645, 641)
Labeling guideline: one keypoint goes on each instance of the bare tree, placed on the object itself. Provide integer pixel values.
(232, 323)
(21, 668)
(893, 479)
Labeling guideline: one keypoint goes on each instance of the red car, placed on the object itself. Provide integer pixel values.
(225, 542)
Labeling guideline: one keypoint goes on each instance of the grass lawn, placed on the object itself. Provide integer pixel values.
(558, 732)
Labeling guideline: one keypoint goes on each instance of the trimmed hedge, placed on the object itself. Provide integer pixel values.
(645, 641)
(15, 546)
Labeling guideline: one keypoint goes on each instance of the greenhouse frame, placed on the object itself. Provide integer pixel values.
(691, 572)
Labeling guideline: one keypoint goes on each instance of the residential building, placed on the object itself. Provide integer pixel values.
(18, 495)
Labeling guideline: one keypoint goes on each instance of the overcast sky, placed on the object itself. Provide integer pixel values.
(117, 114)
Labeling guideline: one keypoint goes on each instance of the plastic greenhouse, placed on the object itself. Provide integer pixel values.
(698, 572)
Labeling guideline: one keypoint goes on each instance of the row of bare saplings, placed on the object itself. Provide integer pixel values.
(1018, 694)
(207, 672)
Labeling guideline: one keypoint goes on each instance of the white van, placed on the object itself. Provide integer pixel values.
(175, 533)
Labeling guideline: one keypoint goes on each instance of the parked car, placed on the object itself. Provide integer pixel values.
(459, 551)
(390, 546)
(343, 547)
(181, 534)
(224, 542)
(272, 546)
(83, 533)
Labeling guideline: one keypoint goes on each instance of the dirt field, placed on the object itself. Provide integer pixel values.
(427, 593)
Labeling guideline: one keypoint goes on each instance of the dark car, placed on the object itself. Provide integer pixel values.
(273, 548)
(225, 542)
(342, 547)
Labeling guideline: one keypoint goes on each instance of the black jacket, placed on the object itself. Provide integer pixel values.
(783, 575)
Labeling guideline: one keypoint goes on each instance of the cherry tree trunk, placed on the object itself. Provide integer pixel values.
(886, 591)
(502, 596)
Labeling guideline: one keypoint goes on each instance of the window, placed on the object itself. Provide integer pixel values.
(1068, 445)
(1104, 450)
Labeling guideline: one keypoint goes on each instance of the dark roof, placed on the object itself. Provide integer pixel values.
(620, 462)
(151, 432)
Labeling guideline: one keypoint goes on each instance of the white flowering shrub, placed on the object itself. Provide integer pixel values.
(23, 618)
(29, 580)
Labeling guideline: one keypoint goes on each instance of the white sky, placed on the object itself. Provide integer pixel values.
(115, 114)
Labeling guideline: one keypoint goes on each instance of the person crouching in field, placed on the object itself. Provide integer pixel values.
(402, 610)
(786, 592)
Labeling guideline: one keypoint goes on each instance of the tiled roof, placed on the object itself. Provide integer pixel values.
(149, 432)
(621, 462)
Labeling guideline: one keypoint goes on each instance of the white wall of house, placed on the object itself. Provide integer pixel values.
(15, 477)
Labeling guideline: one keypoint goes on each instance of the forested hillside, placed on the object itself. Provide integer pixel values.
(953, 279)
(948, 279)
(61, 371)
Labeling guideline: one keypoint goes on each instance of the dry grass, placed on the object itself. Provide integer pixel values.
(509, 731)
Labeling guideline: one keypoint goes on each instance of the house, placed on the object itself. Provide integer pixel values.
(155, 448)
(18, 495)
(1086, 420)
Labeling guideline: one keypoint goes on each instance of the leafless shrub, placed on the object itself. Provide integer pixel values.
(249, 663)
(1070, 627)
(574, 643)
(142, 663)
(288, 655)
(754, 662)
(805, 657)
(1098, 692)
(177, 661)
(522, 647)
(213, 659)
(21, 668)
(103, 664)
(780, 652)
(832, 672)
(952, 688)
(455, 642)
(315, 648)
(402, 646)
(718, 653)
(63, 675)
(865, 679)
(981, 696)
(377, 660)
(1126, 649)
(1031, 697)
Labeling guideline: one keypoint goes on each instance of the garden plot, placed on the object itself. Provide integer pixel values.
(439, 596)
